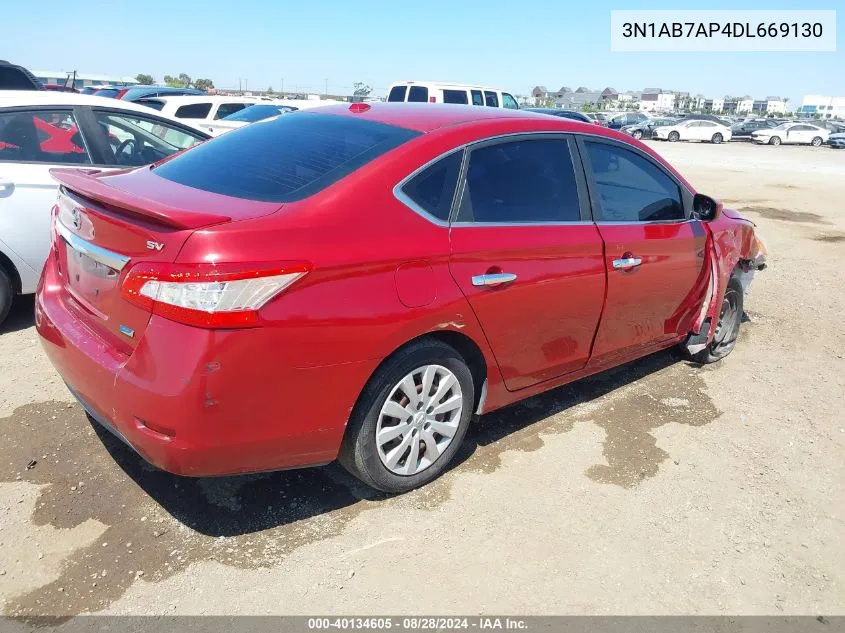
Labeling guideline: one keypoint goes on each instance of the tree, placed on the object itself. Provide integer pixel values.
(185, 80)
(141, 78)
(269, 90)
(173, 82)
(202, 84)
(360, 89)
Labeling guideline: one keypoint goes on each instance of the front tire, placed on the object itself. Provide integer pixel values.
(817, 141)
(674, 137)
(727, 328)
(410, 419)
(637, 134)
(775, 140)
(717, 138)
(7, 294)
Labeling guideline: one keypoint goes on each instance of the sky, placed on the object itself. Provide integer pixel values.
(512, 45)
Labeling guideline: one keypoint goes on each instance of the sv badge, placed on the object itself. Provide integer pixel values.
(155, 246)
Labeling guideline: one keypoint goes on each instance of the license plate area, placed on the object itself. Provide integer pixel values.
(90, 281)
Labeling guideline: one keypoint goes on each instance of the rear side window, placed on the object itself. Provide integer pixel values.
(455, 96)
(477, 97)
(491, 99)
(418, 94)
(434, 188)
(632, 188)
(155, 104)
(397, 93)
(284, 159)
(193, 111)
(521, 181)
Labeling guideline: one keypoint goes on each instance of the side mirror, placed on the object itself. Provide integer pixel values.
(705, 208)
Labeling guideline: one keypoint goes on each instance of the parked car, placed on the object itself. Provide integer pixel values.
(597, 117)
(13, 77)
(744, 130)
(694, 130)
(793, 133)
(460, 94)
(629, 118)
(837, 140)
(42, 129)
(646, 128)
(250, 114)
(254, 303)
(566, 114)
(197, 109)
(59, 88)
(133, 93)
(707, 117)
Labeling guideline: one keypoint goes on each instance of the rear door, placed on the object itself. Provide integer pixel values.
(527, 255)
(654, 251)
(32, 140)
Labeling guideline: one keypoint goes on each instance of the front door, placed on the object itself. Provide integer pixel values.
(527, 257)
(654, 253)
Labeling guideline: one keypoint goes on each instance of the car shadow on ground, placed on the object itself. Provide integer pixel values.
(238, 505)
(21, 314)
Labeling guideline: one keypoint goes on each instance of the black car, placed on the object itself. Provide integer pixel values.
(17, 78)
(745, 129)
(565, 114)
(646, 128)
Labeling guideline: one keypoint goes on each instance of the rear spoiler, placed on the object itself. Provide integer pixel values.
(89, 184)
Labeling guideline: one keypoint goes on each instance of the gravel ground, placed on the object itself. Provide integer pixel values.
(656, 488)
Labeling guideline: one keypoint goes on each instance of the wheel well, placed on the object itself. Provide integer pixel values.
(7, 265)
(471, 353)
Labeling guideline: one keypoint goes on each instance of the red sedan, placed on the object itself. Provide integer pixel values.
(355, 282)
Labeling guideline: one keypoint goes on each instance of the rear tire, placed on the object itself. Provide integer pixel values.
(727, 328)
(402, 462)
(674, 137)
(775, 140)
(717, 138)
(7, 294)
(817, 141)
(637, 134)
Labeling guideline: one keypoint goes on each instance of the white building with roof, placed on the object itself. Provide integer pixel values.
(823, 106)
(82, 79)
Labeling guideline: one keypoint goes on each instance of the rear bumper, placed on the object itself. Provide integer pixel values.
(201, 402)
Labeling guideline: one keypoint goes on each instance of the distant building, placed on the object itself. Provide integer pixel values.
(823, 107)
(655, 100)
(82, 79)
(769, 105)
(585, 97)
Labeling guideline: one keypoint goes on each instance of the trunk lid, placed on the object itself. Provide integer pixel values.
(105, 223)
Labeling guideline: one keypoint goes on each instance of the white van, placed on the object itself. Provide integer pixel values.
(434, 92)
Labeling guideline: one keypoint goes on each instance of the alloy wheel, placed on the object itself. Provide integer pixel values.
(727, 327)
(419, 419)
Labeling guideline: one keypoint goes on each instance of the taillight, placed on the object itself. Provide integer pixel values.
(208, 295)
(120, 93)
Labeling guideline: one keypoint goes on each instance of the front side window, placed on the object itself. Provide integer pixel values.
(491, 99)
(397, 93)
(42, 136)
(434, 187)
(193, 111)
(509, 102)
(455, 96)
(418, 94)
(226, 109)
(630, 187)
(284, 159)
(136, 140)
(521, 181)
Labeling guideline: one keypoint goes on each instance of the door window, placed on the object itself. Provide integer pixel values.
(226, 109)
(434, 188)
(631, 188)
(521, 181)
(397, 93)
(509, 102)
(136, 140)
(477, 97)
(491, 99)
(43, 136)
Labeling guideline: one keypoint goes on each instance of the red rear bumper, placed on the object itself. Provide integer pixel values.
(200, 402)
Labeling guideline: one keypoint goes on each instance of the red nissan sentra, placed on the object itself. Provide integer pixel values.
(355, 282)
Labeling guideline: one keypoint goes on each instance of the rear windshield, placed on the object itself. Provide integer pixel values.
(284, 159)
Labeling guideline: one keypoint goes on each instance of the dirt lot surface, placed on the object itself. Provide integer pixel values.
(657, 488)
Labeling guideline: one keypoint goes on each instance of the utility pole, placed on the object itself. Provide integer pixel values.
(283, 87)
(246, 85)
(327, 89)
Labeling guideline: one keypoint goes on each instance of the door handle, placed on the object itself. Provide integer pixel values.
(493, 279)
(627, 263)
(7, 187)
